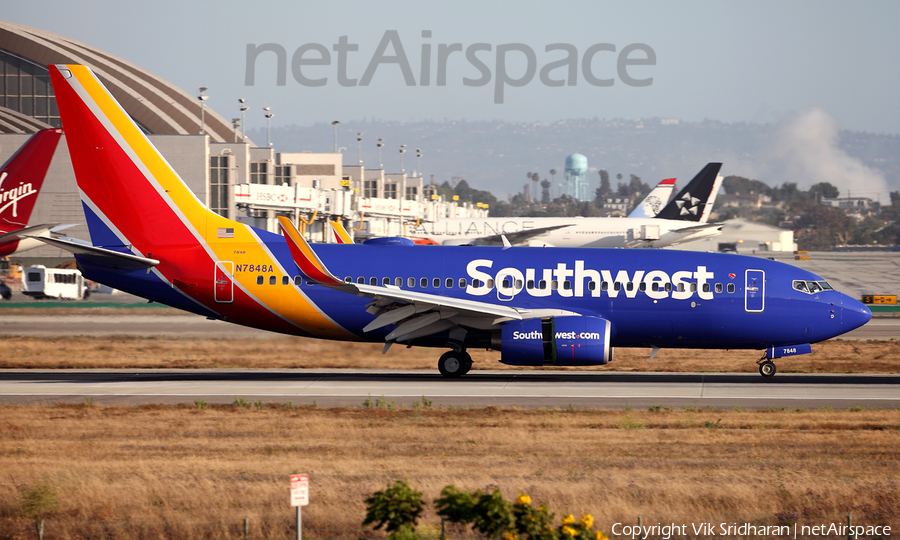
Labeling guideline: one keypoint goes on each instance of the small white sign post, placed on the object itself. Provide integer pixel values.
(299, 497)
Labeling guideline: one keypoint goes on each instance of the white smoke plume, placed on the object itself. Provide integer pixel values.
(807, 148)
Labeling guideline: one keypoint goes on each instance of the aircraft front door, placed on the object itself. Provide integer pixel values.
(754, 291)
(224, 290)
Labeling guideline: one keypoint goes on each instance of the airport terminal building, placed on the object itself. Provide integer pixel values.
(226, 170)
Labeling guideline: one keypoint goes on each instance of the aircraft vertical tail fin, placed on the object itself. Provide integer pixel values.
(22, 176)
(655, 200)
(132, 197)
(341, 236)
(691, 202)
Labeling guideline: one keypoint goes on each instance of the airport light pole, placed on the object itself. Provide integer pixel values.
(235, 122)
(269, 116)
(334, 125)
(419, 162)
(202, 97)
(359, 147)
(244, 108)
(402, 151)
(380, 144)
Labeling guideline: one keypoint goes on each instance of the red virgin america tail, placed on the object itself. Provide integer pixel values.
(21, 178)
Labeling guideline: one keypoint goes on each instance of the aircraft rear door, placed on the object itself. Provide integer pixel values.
(754, 291)
(224, 284)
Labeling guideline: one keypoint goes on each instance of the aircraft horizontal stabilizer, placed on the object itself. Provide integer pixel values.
(34, 230)
(100, 255)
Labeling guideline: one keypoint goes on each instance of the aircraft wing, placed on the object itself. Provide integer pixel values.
(416, 314)
(516, 237)
(34, 230)
(99, 255)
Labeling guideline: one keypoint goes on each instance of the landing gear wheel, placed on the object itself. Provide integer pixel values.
(767, 368)
(454, 364)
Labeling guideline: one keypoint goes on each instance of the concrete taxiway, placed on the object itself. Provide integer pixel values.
(330, 388)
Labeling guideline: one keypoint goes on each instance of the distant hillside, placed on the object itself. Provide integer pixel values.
(496, 156)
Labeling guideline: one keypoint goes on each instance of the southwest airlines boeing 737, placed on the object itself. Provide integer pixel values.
(152, 237)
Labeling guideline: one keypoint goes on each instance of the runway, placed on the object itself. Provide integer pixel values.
(337, 388)
(195, 326)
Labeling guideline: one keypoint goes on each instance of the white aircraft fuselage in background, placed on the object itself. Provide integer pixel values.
(580, 232)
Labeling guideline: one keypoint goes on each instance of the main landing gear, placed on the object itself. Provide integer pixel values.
(453, 365)
(766, 367)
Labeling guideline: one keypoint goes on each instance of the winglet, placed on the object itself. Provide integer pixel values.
(340, 233)
(307, 260)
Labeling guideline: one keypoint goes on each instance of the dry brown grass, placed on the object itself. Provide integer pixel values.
(166, 472)
(292, 352)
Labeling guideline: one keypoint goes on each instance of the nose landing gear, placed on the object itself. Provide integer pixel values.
(453, 365)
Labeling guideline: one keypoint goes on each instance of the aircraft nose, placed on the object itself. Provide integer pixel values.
(853, 314)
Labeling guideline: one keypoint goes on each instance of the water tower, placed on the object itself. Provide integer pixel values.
(576, 178)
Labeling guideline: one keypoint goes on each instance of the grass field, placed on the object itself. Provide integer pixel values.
(833, 356)
(198, 471)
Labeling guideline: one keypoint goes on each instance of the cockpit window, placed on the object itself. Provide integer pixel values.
(811, 287)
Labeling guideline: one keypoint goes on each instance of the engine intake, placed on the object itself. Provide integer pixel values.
(563, 341)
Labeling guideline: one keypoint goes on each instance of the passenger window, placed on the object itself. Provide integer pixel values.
(629, 286)
(604, 286)
(718, 287)
(554, 285)
(285, 280)
(617, 286)
(411, 282)
(272, 280)
(373, 281)
(298, 280)
(398, 282)
(348, 279)
(693, 287)
(361, 280)
(706, 287)
(654, 287)
(476, 283)
(448, 283)
(567, 285)
(542, 284)
(385, 281)
(506, 283)
(592, 285)
(668, 287)
(490, 284)
(681, 287)
(259, 280)
(530, 284)
(423, 282)
(462, 283)
(642, 287)
(519, 284)
(436, 283)
(730, 288)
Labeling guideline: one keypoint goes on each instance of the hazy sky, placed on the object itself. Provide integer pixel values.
(756, 62)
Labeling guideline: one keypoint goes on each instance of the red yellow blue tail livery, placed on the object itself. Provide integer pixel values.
(152, 237)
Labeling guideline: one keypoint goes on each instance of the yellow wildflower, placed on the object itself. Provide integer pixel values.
(523, 499)
(511, 535)
(569, 530)
(601, 536)
(587, 521)
(568, 520)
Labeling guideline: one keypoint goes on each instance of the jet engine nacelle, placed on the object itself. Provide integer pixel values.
(563, 341)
